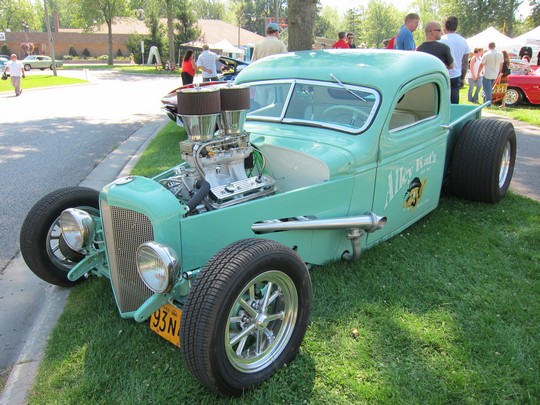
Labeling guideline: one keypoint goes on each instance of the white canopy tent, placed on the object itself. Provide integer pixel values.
(227, 47)
(490, 34)
(531, 38)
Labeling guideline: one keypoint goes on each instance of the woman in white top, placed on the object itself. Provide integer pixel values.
(474, 77)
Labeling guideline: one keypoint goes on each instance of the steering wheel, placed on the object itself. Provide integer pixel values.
(344, 111)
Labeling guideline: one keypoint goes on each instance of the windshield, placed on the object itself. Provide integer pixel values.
(343, 108)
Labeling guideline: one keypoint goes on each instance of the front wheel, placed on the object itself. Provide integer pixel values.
(246, 315)
(513, 97)
(42, 246)
(483, 160)
(27, 67)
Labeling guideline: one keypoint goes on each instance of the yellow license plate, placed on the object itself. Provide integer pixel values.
(166, 323)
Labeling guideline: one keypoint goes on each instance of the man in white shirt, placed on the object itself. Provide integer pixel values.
(207, 61)
(492, 63)
(16, 70)
(460, 52)
(270, 45)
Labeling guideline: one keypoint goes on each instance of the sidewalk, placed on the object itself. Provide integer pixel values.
(21, 378)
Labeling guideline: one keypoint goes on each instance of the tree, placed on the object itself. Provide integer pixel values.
(209, 9)
(14, 12)
(301, 23)
(534, 19)
(95, 12)
(381, 21)
(186, 25)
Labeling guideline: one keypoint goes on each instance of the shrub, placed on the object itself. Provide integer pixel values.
(6, 50)
(67, 57)
(72, 51)
(103, 57)
(86, 53)
(119, 53)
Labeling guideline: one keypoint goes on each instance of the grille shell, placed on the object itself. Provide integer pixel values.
(125, 230)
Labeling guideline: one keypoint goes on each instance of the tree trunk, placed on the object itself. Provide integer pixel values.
(170, 28)
(301, 22)
(109, 29)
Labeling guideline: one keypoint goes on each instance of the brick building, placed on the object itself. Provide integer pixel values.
(96, 42)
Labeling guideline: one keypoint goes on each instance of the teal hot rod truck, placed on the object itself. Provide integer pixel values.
(318, 155)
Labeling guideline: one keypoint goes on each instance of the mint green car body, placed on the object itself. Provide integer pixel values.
(390, 158)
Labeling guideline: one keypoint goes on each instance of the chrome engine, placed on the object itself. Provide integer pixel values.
(221, 166)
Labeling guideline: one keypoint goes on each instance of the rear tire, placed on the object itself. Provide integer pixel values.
(41, 242)
(483, 160)
(513, 97)
(246, 315)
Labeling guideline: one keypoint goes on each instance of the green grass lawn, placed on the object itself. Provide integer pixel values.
(446, 312)
(35, 81)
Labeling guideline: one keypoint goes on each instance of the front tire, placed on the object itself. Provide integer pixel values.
(41, 242)
(27, 67)
(483, 160)
(246, 315)
(513, 97)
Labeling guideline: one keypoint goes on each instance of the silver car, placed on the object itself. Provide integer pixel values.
(41, 62)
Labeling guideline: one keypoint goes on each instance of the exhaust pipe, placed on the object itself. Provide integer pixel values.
(368, 222)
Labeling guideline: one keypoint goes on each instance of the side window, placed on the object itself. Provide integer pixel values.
(416, 105)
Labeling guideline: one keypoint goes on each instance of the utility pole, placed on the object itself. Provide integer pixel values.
(49, 34)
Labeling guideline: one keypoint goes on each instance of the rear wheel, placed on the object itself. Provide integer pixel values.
(483, 160)
(513, 96)
(42, 246)
(246, 315)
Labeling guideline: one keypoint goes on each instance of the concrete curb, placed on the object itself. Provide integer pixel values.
(117, 164)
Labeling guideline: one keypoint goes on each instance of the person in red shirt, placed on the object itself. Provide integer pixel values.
(188, 68)
(341, 42)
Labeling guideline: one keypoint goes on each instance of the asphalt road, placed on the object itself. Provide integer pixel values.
(52, 138)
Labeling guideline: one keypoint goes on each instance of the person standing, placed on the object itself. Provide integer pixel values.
(460, 52)
(341, 43)
(433, 32)
(350, 40)
(271, 45)
(492, 63)
(404, 39)
(16, 70)
(207, 63)
(188, 67)
(501, 83)
(474, 77)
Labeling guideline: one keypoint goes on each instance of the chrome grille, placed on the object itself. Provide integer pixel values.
(125, 230)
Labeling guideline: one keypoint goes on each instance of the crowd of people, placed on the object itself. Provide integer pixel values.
(485, 72)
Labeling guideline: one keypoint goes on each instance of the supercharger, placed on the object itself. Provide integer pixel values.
(221, 167)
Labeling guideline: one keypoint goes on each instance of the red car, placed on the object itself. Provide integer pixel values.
(523, 88)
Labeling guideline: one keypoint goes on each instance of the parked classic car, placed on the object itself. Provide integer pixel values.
(319, 155)
(523, 88)
(41, 62)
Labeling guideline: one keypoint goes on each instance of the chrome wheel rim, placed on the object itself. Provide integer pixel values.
(511, 97)
(505, 164)
(261, 321)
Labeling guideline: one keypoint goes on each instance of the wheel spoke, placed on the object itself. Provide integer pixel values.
(241, 335)
(258, 342)
(241, 345)
(267, 297)
(248, 308)
(275, 317)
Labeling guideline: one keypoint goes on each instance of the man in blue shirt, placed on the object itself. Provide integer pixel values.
(404, 39)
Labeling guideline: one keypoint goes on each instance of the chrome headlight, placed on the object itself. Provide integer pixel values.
(157, 265)
(78, 228)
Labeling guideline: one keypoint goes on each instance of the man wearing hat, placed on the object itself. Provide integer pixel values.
(270, 45)
(16, 70)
